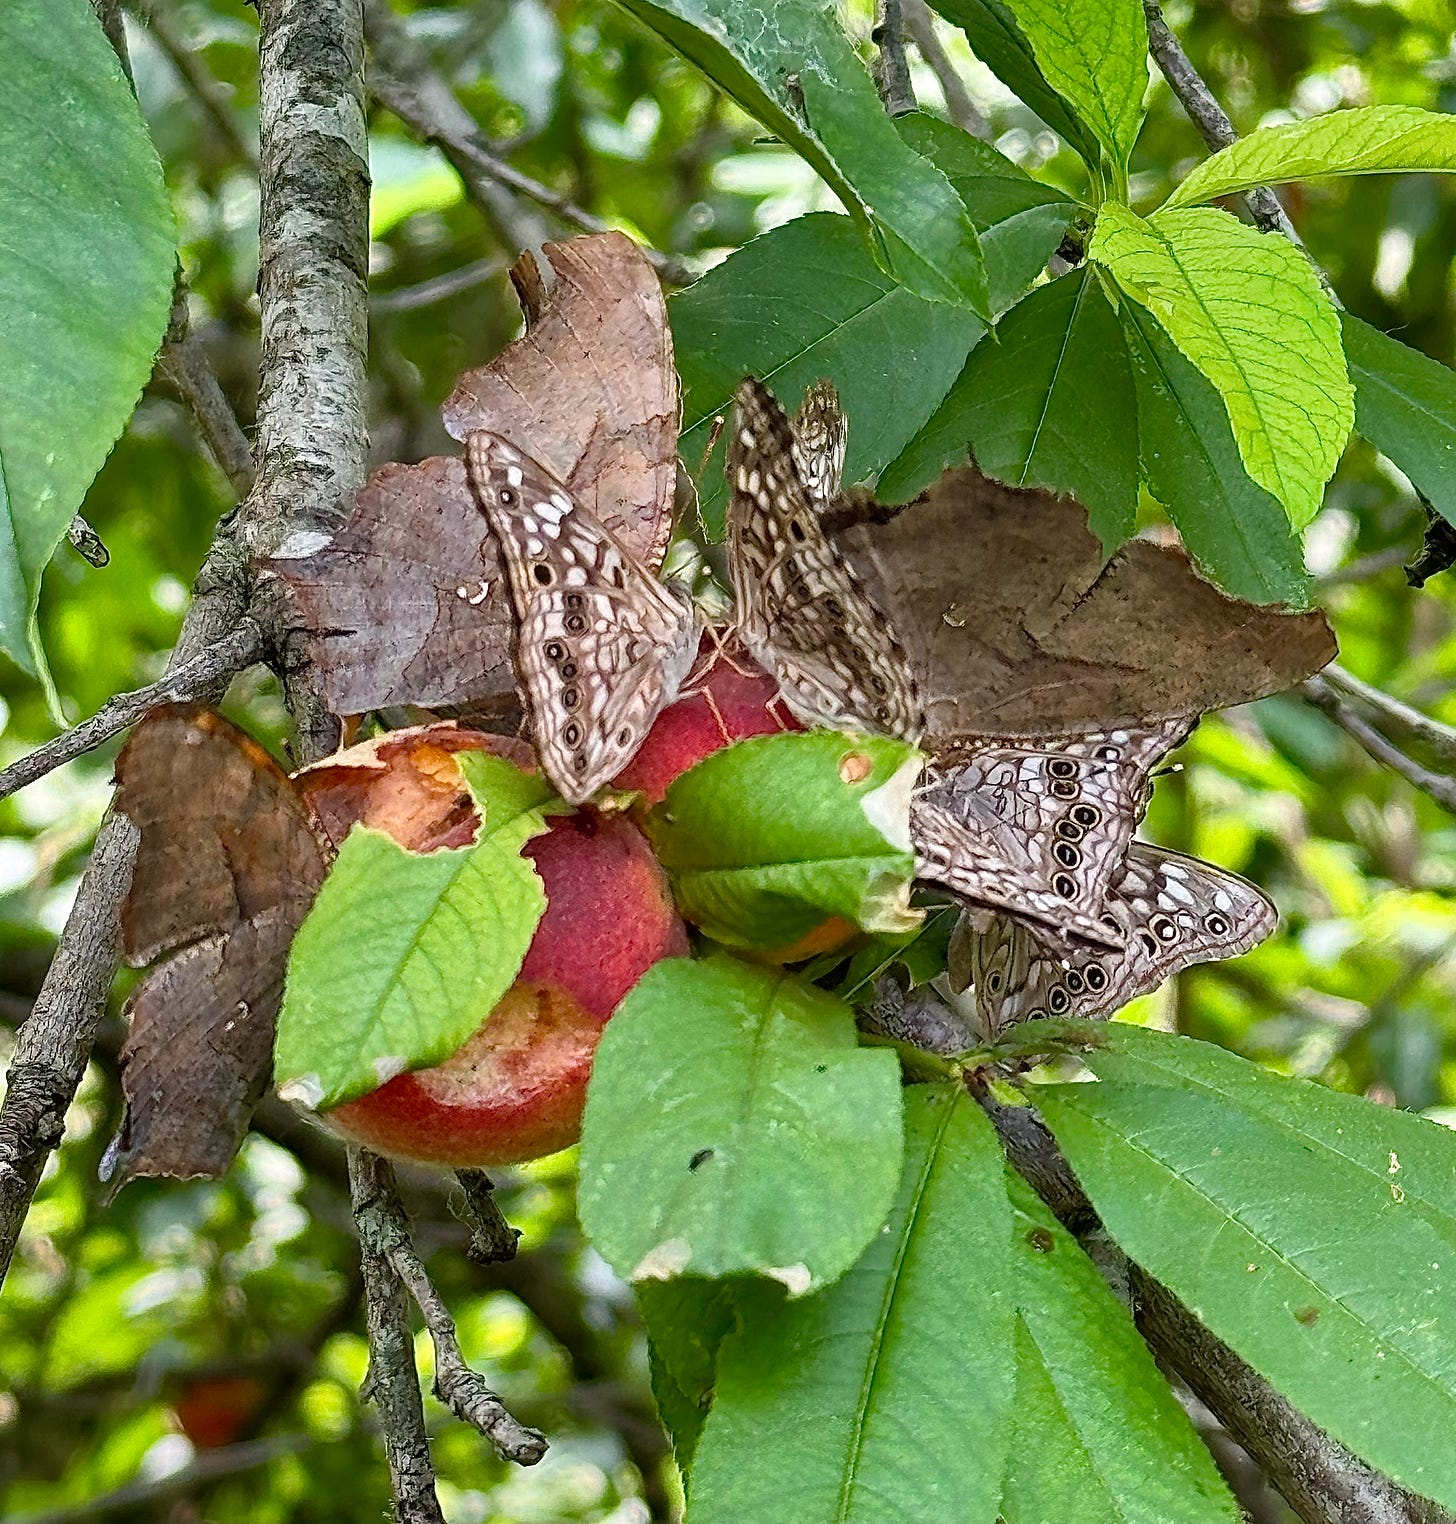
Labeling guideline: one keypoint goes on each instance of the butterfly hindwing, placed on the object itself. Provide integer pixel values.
(1173, 912)
(1060, 810)
(802, 611)
(601, 645)
(821, 438)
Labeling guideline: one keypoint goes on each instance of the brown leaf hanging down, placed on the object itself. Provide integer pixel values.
(229, 862)
(1016, 627)
(590, 390)
(407, 603)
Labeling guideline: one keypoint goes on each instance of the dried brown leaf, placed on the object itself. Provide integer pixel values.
(1016, 626)
(228, 864)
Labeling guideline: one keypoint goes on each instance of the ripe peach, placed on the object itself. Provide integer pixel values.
(729, 697)
(515, 1090)
(213, 1411)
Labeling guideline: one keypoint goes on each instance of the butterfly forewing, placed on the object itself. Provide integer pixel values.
(601, 645)
(1173, 911)
(821, 438)
(802, 610)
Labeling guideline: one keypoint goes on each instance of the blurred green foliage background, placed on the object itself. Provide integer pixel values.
(116, 1310)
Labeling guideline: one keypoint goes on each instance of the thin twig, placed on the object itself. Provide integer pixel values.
(145, 1496)
(438, 288)
(392, 1382)
(238, 649)
(52, 1047)
(1440, 787)
(1407, 724)
(1211, 120)
(1366, 568)
(403, 80)
(183, 365)
(209, 92)
(892, 72)
(962, 110)
(384, 1232)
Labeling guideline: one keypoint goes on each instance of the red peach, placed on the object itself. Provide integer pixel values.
(728, 697)
(213, 1411)
(515, 1090)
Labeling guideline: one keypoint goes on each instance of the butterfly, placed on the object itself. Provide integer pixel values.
(802, 610)
(1172, 911)
(601, 646)
(1041, 827)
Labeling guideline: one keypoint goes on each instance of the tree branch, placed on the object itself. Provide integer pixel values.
(183, 366)
(1410, 725)
(1326, 698)
(403, 80)
(962, 110)
(239, 648)
(1211, 120)
(392, 1381)
(892, 72)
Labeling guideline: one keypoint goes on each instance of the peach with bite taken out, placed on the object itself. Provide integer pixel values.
(514, 1090)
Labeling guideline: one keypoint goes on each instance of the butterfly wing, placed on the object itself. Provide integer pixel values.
(1173, 911)
(821, 438)
(1063, 811)
(601, 646)
(802, 610)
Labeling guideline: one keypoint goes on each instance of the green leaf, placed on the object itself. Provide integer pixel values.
(996, 39)
(1234, 530)
(804, 302)
(1315, 1233)
(885, 1397)
(1405, 405)
(733, 1126)
(1249, 312)
(767, 838)
(1096, 1434)
(1021, 221)
(686, 1320)
(86, 268)
(404, 955)
(1051, 403)
(789, 64)
(1365, 140)
(1094, 54)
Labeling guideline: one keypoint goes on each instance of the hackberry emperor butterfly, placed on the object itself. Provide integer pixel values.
(1055, 814)
(801, 609)
(600, 645)
(1172, 911)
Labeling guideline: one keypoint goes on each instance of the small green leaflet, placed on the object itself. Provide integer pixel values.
(404, 954)
(685, 1320)
(1405, 405)
(1364, 140)
(87, 258)
(766, 839)
(1313, 1232)
(800, 303)
(1250, 313)
(1097, 1434)
(816, 1399)
(1094, 53)
(789, 64)
(733, 1126)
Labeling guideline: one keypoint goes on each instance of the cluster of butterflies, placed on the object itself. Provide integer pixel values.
(1064, 913)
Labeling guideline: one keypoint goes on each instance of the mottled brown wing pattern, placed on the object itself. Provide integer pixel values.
(600, 645)
(821, 438)
(802, 610)
(1173, 912)
(1060, 811)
